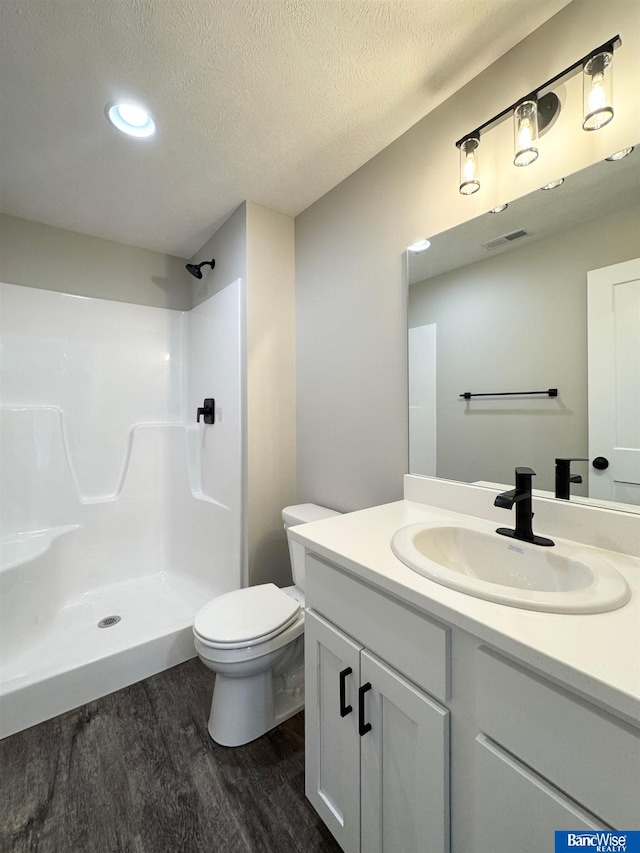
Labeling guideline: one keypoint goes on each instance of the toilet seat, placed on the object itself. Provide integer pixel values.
(228, 655)
(245, 617)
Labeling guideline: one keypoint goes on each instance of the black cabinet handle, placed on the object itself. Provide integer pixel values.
(363, 727)
(600, 463)
(344, 708)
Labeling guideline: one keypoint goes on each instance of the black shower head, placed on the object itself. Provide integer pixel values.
(195, 269)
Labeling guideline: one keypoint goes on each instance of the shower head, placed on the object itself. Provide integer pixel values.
(195, 269)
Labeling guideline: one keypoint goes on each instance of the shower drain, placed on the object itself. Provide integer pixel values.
(108, 621)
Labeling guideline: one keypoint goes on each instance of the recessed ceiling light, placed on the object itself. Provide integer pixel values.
(131, 119)
(420, 246)
(620, 154)
(553, 184)
(499, 208)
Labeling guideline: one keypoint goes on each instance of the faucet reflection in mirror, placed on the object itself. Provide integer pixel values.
(537, 111)
(564, 478)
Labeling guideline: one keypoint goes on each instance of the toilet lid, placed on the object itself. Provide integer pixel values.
(246, 614)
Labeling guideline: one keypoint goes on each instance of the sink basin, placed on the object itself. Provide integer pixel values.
(563, 579)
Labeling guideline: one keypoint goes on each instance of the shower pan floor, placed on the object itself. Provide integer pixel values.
(77, 661)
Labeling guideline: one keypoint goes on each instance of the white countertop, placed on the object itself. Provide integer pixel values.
(595, 654)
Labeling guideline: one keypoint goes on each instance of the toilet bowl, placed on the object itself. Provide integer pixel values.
(253, 639)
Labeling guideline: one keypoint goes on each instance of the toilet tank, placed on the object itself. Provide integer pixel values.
(302, 514)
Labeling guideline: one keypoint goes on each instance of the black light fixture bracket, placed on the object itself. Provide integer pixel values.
(547, 106)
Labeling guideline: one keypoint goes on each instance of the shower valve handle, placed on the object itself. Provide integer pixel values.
(208, 411)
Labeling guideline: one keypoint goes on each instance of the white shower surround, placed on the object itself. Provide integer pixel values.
(113, 501)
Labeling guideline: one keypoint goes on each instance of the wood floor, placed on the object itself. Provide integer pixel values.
(136, 772)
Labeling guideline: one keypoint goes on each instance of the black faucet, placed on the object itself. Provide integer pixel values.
(521, 497)
(564, 478)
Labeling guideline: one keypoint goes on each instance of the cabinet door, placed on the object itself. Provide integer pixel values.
(332, 745)
(404, 765)
(516, 809)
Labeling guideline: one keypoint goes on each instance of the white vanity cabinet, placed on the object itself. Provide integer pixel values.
(515, 808)
(546, 759)
(526, 755)
(332, 744)
(376, 749)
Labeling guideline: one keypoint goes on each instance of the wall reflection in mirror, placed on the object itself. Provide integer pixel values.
(544, 294)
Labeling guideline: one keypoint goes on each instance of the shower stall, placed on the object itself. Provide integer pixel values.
(120, 515)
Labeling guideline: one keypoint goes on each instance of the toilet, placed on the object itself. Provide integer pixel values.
(253, 639)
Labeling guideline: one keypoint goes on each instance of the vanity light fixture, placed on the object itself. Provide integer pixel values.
(553, 184)
(131, 119)
(469, 182)
(420, 246)
(499, 208)
(619, 155)
(537, 111)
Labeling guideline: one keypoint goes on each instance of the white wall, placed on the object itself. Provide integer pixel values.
(350, 295)
(36, 255)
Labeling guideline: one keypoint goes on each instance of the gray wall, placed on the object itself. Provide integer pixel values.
(257, 245)
(350, 294)
(36, 255)
(518, 321)
(271, 411)
(228, 246)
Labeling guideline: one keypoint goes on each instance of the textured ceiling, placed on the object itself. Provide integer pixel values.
(275, 101)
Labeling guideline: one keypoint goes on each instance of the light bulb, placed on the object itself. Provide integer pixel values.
(524, 136)
(469, 166)
(597, 99)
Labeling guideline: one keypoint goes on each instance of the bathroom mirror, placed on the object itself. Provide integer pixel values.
(498, 306)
